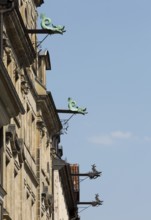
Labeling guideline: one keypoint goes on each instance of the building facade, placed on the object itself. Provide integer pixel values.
(29, 126)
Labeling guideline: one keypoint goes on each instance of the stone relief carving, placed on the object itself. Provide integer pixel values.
(47, 200)
(20, 149)
(24, 86)
(17, 144)
(16, 72)
(42, 127)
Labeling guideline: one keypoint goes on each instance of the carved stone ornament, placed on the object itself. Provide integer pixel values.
(20, 149)
(53, 152)
(41, 126)
(11, 134)
(47, 199)
(25, 87)
(16, 72)
(17, 144)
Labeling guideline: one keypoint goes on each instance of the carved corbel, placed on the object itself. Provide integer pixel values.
(25, 87)
(11, 137)
(41, 127)
(20, 149)
(17, 144)
(47, 199)
(53, 152)
(16, 72)
(44, 193)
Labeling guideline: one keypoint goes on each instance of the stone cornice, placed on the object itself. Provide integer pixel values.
(49, 113)
(19, 38)
(46, 104)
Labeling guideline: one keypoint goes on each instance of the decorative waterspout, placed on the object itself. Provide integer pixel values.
(46, 23)
(73, 107)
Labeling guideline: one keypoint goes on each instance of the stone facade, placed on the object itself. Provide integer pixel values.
(65, 196)
(29, 127)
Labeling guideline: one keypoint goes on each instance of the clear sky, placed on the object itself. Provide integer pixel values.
(103, 62)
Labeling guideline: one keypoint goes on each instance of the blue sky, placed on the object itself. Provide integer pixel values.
(103, 62)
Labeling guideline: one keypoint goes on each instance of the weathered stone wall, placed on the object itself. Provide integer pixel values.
(27, 165)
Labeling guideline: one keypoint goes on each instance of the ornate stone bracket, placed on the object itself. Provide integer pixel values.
(41, 126)
(16, 72)
(25, 87)
(20, 149)
(53, 152)
(17, 144)
(11, 136)
(47, 199)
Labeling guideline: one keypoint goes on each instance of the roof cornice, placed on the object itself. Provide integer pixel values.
(49, 113)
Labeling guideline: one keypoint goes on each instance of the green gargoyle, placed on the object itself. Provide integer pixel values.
(73, 107)
(46, 23)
